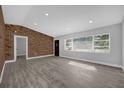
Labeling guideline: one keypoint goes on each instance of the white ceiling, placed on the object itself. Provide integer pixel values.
(63, 19)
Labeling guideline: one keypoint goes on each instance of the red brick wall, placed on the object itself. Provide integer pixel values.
(2, 30)
(38, 43)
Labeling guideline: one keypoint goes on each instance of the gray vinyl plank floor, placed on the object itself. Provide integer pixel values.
(58, 72)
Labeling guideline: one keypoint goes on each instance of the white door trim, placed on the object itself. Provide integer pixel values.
(15, 46)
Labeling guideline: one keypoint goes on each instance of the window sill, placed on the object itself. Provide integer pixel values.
(85, 51)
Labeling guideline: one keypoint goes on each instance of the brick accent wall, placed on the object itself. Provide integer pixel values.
(2, 30)
(38, 43)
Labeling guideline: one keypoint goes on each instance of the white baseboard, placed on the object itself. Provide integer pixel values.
(97, 62)
(7, 61)
(40, 56)
(11, 61)
(1, 76)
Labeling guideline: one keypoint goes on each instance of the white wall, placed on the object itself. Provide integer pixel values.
(21, 46)
(113, 58)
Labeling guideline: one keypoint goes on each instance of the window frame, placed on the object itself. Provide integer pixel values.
(109, 40)
(93, 43)
(65, 48)
(84, 49)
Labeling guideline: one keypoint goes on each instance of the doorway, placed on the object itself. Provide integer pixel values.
(20, 47)
(56, 47)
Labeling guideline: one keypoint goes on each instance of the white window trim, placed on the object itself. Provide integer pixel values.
(93, 46)
(65, 49)
(108, 51)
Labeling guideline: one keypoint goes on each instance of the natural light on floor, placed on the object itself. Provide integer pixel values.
(84, 66)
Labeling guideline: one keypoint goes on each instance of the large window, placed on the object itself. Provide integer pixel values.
(68, 44)
(96, 43)
(82, 44)
(102, 43)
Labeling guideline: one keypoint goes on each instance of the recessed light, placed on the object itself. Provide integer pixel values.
(46, 14)
(35, 23)
(90, 21)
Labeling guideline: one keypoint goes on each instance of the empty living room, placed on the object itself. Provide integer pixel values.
(61, 46)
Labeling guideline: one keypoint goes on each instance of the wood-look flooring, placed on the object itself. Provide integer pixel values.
(60, 72)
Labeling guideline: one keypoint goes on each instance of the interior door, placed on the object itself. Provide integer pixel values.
(56, 47)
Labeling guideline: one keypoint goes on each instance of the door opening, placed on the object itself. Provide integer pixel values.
(56, 47)
(20, 47)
